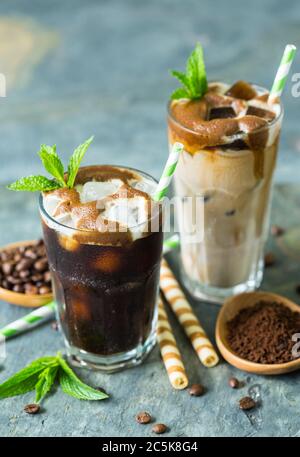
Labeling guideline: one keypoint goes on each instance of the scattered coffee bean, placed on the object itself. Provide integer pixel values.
(196, 390)
(269, 259)
(32, 408)
(143, 418)
(234, 383)
(276, 230)
(246, 403)
(159, 428)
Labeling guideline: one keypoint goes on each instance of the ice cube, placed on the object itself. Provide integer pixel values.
(260, 112)
(145, 185)
(126, 211)
(221, 112)
(243, 90)
(51, 202)
(109, 261)
(96, 190)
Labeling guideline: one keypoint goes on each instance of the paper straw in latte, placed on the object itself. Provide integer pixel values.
(167, 175)
(36, 317)
(169, 350)
(187, 317)
(171, 243)
(282, 72)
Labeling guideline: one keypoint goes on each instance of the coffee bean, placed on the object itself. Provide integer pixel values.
(24, 264)
(276, 230)
(32, 408)
(269, 259)
(196, 390)
(159, 428)
(44, 290)
(41, 265)
(234, 383)
(7, 268)
(37, 277)
(17, 257)
(18, 288)
(5, 284)
(246, 403)
(12, 280)
(30, 289)
(24, 274)
(30, 254)
(47, 276)
(143, 418)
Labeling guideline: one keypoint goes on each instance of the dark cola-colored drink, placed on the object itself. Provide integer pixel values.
(105, 269)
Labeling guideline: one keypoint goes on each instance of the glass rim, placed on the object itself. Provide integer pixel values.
(264, 127)
(74, 229)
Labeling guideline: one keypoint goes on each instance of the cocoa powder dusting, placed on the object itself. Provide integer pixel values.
(263, 333)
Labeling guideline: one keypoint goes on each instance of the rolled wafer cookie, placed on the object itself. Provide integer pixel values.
(169, 350)
(185, 315)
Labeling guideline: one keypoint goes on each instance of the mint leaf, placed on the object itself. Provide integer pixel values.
(52, 163)
(194, 80)
(182, 77)
(33, 184)
(26, 379)
(75, 161)
(73, 386)
(45, 381)
(196, 73)
(181, 92)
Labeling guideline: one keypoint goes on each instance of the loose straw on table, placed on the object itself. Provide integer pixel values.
(167, 174)
(186, 317)
(169, 350)
(36, 317)
(282, 72)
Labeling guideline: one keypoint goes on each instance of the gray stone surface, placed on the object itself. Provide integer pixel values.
(100, 67)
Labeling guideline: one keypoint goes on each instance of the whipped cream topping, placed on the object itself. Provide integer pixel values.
(223, 115)
(115, 201)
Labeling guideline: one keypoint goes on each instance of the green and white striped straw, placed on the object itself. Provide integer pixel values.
(171, 243)
(167, 175)
(29, 321)
(282, 72)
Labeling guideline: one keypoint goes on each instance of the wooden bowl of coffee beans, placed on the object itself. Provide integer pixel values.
(24, 274)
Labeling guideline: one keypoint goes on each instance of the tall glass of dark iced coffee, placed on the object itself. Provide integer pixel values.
(104, 242)
(230, 137)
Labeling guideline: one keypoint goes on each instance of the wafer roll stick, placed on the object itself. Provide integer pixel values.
(186, 317)
(169, 351)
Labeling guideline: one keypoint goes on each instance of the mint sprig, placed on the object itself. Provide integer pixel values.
(53, 164)
(41, 374)
(194, 81)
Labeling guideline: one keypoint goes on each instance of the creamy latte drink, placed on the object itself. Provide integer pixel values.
(230, 136)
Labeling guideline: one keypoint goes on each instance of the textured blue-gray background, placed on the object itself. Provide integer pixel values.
(76, 68)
